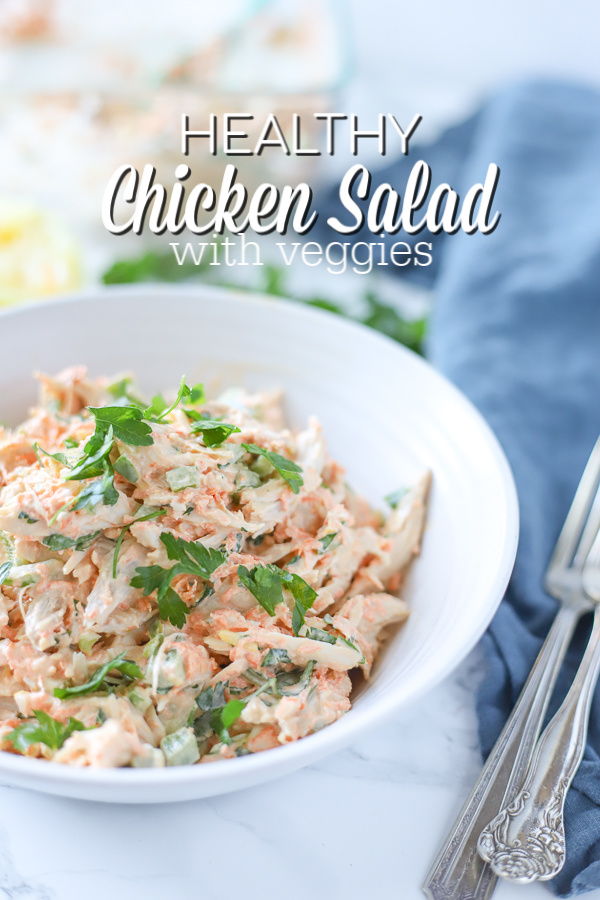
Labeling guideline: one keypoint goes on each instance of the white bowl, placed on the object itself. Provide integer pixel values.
(386, 414)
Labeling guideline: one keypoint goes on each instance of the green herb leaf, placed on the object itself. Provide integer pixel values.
(151, 412)
(289, 471)
(4, 571)
(194, 558)
(126, 422)
(275, 657)
(125, 666)
(27, 518)
(150, 579)
(102, 491)
(291, 683)
(95, 453)
(59, 457)
(232, 711)
(172, 607)
(326, 541)
(317, 634)
(46, 730)
(214, 432)
(212, 697)
(197, 396)
(304, 597)
(264, 583)
(57, 542)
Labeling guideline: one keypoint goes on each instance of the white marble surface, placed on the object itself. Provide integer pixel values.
(365, 823)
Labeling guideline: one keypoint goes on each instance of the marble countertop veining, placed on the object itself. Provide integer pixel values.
(364, 823)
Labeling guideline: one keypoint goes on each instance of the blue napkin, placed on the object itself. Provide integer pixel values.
(516, 326)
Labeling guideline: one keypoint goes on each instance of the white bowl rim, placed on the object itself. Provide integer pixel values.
(357, 721)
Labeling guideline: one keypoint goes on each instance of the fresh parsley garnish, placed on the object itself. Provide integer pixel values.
(304, 597)
(221, 720)
(317, 634)
(46, 730)
(266, 584)
(190, 559)
(193, 558)
(294, 682)
(213, 431)
(212, 697)
(289, 470)
(127, 424)
(28, 518)
(326, 541)
(96, 682)
(59, 457)
(197, 396)
(159, 411)
(219, 714)
(276, 657)
(57, 542)
(101, 491)
(95, 454)
(151, 515)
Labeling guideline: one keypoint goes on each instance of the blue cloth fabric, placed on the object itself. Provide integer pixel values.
(516, 325)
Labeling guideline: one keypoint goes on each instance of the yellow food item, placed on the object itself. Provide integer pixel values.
(38, 256)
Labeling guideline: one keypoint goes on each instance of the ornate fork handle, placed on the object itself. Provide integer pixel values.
(526, 840)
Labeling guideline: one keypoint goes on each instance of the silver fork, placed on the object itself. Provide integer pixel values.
(526, 840)
(459, 873)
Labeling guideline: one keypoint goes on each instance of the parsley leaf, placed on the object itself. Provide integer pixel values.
(58, 542)
(212, 697)
(326, 541)
(222, 719)
(197, 396)
(191, 559)
(291, 683)
(264, 583)
(214, 432)
(101, 491)
(157, 414)
(95, 453)
(126, 422)
(195, 558)
(289, 470)
(46, 730)
(125, 666)
(275, 657)
(304, 597)
(27, 518)
(59, 457)
(150, 579)
(318, 634)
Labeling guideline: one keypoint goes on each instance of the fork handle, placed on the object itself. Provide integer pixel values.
(459, 873)
(526, 840)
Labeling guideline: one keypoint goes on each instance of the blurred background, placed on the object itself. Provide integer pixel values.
(86, 87)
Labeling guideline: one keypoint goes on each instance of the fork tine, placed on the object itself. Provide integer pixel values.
(583, 519)
(589, 533)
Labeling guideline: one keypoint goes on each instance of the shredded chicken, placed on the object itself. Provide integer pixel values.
(183, 582)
